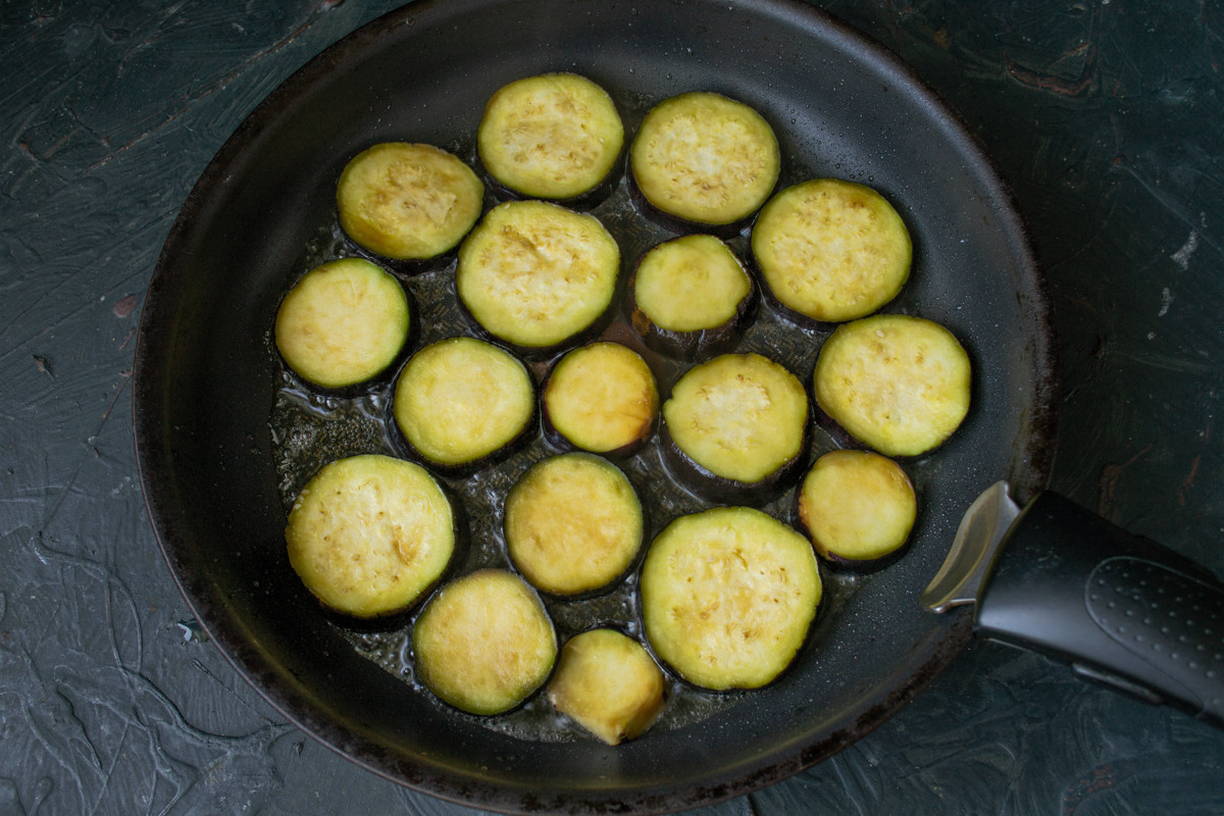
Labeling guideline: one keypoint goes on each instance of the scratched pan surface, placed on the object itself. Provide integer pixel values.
(225, 436)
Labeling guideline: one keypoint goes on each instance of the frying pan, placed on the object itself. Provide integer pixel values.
(207, 380)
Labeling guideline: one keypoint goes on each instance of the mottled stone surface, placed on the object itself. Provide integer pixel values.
(1104, 117)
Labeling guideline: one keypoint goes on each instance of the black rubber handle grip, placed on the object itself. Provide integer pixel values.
(1121, 609)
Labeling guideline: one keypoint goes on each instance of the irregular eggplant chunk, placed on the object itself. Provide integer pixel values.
(573, 524)
(896, 383)
(461, 401)
(831, 250)
(369, 534)
(608, 684)
(550, 136)
(408, 201)
(704, 158)
(484, 643)
(857, 506)
(737, 425)
(691, 297)
(601, 397)
(728, 595)
(535, 274)
(343, 323)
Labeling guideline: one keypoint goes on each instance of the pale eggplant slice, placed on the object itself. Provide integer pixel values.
(602, 398)
(368, 535)
(704, 158)
(484, 643)
(408, 201)
(551, 136)
(831, 250)
(608, 684)
(537, 275)
(740, 422)
(343, 323)
(898, 384)
(573, 524)
(728, 596)
(690, 297)
(858, 507)
(460, 402)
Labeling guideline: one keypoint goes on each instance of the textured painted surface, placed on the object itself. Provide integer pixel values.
(1103, 117)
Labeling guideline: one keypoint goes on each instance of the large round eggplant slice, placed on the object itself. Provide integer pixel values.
(690, 297)
(896, 383)
(601, 397)
(573, 524)
(550, 136)
(369, 534)
(608, 684)
(728, 595)
(461, 401)
(484, 642)
(831, 250)
(857, 506)
(408, 201)
(704, 158)
(736, 426)
(342, 323)
(536, 274)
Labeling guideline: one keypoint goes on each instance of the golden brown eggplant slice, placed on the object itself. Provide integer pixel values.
(369, 534)
(899, 384)
(408, 201)
(728, 596)
(550, 136)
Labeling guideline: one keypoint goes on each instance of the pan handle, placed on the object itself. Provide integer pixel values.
(1123, 610)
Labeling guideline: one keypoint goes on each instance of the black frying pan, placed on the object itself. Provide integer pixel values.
(207, 379)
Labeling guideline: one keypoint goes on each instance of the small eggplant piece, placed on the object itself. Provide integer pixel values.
(407, 201)
(608, 684)
(573, 524)
(368, 535)
(736, 428)
(858, 507)
(830, 250)
(554, 136)
(896, 383)
(728, 596)
(601, 398)
(462, 403)
(484, 643)
(537, 275)
(343, 323)
(704, 158)
(690, 297)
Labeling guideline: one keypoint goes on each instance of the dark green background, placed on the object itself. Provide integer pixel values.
(1105, 119)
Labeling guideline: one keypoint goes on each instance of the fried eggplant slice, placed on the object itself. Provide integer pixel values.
(536, 275)
(896, 383)
(608, 684)
(831, 250)
(408, 201)
(602, 398)
(704, 158)
(343, 323)
(484, 643)
(368, 535)
(691, 297)
(857, 506)
(739, 422)
(461, 401)
(550, 136)
(573, 524)
(728, 596)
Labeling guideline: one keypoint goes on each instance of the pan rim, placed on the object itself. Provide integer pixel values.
(148, 371)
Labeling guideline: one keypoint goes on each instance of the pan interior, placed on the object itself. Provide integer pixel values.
(224, 437)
